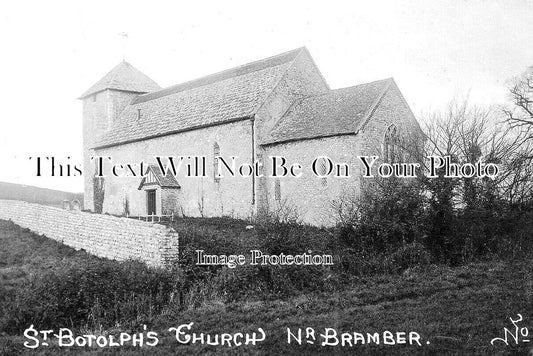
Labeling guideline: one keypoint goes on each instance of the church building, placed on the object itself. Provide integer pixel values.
(275, 107)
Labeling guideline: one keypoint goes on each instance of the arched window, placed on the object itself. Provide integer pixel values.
(390, 144)
(216, 155)
(323, 170)
(277, 189)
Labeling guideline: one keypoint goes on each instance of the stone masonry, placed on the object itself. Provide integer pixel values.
(101, 235)
(278, 106)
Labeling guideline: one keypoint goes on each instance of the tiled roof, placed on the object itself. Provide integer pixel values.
(124, 77)
(337, 112)
(168, 181)
(221, 97)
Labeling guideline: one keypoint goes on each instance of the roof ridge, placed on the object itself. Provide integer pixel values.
(123, 77)
(287, 70)
(316, 67)
(329, 92)
(368, 83)
(218, 76)
(113, 78)
(372, 108)
(336, 112)
(291, 107)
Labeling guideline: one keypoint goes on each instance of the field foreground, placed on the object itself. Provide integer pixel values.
(454, 310)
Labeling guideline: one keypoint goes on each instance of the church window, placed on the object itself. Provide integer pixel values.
(390, 145)
(216, 155)
(277, 189)
(323, 170)
(94, 97)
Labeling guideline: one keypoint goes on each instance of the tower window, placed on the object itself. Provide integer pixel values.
(94, 97)
(216, 155)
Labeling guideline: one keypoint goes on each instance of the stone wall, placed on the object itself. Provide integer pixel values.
(99, 112)
(314, 199)
(301, 79)
(198, 196)
(101, 235)
(391, 110)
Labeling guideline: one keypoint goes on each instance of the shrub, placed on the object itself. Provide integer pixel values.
(272, 235)
(388, 214)
(354, 262)
(408, 256)
(90, 293)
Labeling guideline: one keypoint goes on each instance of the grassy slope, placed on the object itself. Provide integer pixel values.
(458, 310)
(36, 194)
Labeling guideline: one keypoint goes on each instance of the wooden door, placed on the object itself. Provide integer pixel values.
(150, 202)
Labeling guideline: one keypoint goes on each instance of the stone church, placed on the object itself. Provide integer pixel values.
(279, 106)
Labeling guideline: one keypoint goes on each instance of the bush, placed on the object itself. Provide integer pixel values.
(408, 256)
(389, 213)
(272, 235)
(90, 293)
(356, 263)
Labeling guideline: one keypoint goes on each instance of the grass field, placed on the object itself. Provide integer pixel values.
(37, 195)
(457, 310)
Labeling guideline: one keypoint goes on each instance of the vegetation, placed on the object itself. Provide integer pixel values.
(459, 310)
(446, 257)
(456, 220)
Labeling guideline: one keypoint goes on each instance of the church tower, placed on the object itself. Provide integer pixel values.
(102, 104)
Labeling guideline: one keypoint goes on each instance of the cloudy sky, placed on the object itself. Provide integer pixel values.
(53, 51)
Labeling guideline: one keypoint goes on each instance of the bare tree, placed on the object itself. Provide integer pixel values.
(468, 134)
(520, 115)
(520, 118)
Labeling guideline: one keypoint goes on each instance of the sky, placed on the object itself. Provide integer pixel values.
(52, 51)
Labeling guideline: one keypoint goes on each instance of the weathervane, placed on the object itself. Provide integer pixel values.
(124, 38)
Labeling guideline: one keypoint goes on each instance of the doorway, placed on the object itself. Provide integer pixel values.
(150, 202)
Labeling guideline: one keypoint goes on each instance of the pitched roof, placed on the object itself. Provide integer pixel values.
(222, 97)
(124, 77)
(168, 181)
(340, 111)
